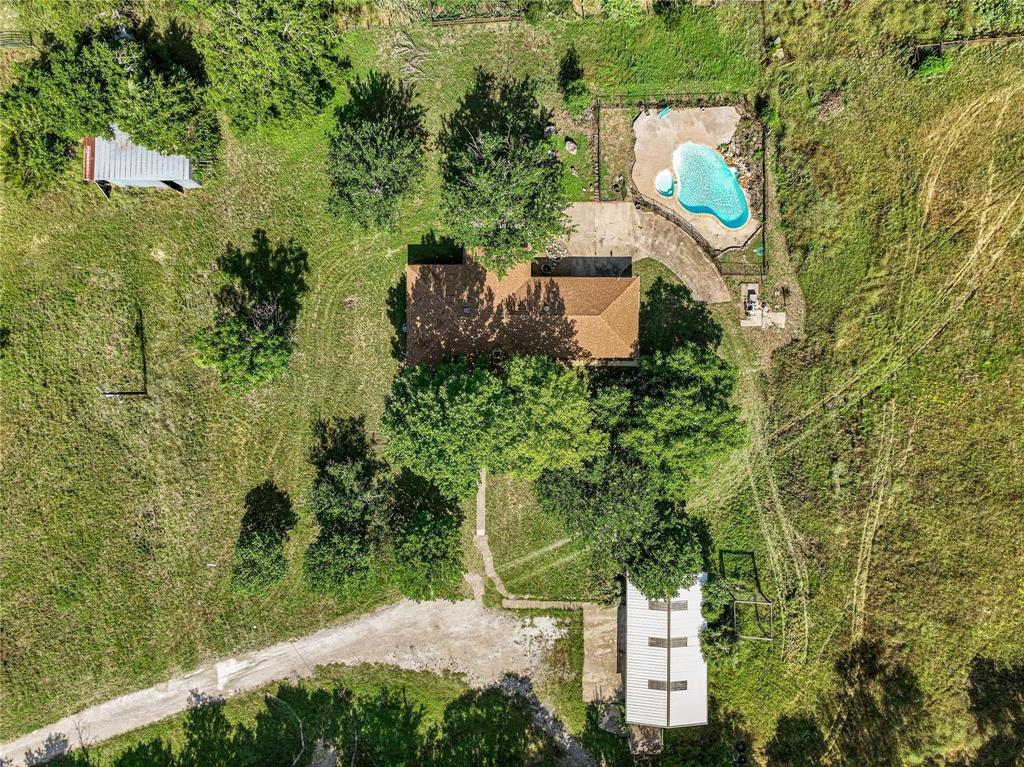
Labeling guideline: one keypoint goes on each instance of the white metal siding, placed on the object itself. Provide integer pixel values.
(121, 162)
(661, 708)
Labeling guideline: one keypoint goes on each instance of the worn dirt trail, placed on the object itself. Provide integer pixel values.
(462, 637)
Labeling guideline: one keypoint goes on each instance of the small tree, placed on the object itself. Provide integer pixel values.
(252, 336)
(351, 501)
(427, 537)
(270, 60)
(718, 639)
(501, 187)
(259, 560)
(376, 149)
(438, 423)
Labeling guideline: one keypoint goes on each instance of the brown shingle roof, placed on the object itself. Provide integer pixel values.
(463, 309)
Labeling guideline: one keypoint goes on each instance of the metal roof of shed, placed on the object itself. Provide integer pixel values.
(654, 661)
(120, 161)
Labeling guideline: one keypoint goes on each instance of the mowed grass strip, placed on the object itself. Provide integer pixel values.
(533, 552)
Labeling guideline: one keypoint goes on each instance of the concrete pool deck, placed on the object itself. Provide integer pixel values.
(618, 229)
(656, 140)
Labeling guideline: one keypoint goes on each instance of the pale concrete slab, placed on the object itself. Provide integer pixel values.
(619, 229)
(656, 140)
(601, 680)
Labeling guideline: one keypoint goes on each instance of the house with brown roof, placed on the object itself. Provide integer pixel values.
(462, 309)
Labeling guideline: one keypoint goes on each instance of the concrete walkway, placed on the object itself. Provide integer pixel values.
(602, 681)
(462, 637)
(619, 229)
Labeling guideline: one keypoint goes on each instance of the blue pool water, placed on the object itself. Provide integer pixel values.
(708, 185)
(665, 183)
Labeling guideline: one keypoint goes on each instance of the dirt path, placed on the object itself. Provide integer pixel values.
(462, 637)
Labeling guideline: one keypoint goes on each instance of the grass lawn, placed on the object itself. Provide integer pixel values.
(533, 552)
(120, 516)
(381, 713)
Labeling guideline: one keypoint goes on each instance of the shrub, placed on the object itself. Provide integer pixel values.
(626, 12)
(259, 563)
(370, 522)
(252, 336)
(428, 550)
(270, 60)
(376, 149)
(259, 560)
(934, 64)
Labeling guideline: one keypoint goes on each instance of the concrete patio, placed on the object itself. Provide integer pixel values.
(618, 229)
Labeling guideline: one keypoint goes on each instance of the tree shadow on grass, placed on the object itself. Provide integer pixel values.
(878, 715)
(669, 317)
(396, 316)
(798, 742)
(725, 740)
(338, 440)
(268, 510)
(480, 728)
(997, 701)
(488, 728)
(569, 69)
(606, 748)
(259, 559)
(491, 107)
(267, 279)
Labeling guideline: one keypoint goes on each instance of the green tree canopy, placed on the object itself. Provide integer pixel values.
(376, 148)
(501, 188)
(667, 421)
(628, 526)
(139, 82)
(681, 418)
(252, 335)
(375, 525)
(438, 422)
(270, 60)
(448, 422)
(548, 424)
(352, 503)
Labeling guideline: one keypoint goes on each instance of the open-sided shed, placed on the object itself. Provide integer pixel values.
(119, 162)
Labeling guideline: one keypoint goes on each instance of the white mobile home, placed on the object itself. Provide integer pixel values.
(666, 675)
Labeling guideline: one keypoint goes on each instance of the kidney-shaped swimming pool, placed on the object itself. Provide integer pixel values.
(707, 185)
